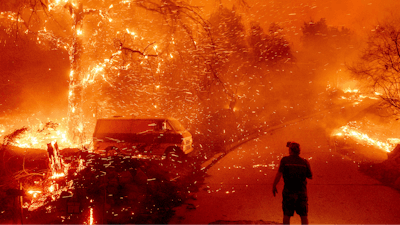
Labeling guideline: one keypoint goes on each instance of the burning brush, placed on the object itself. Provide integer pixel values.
(353, 130)
(52, 185)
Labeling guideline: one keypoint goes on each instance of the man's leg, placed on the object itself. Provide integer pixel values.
(286, 219)
(304, 219)
(302, 208)
(288, 206)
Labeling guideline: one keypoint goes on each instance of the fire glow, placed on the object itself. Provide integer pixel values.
(52, 189)
(356, 96)
(34, 193)
(363, 138)
(37, 137)
(91, 217)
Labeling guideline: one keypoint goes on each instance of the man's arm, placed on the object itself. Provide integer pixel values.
(276, 181)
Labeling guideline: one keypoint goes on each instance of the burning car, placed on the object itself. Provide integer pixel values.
(144, 137)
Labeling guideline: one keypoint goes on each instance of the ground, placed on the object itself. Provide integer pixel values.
(235, 186)
(239, 187)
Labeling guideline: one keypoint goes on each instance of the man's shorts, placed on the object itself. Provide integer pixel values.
(294, 202)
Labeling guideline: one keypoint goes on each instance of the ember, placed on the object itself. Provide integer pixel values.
(224, 72)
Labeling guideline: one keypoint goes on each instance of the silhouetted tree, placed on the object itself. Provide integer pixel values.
(327, 42)
(270, 48)
(315, 34)
(100, 36)
(225, 54)
(378, 66)
(227, 31)
(326, 48)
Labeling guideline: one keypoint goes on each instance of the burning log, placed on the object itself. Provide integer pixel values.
(54, 158)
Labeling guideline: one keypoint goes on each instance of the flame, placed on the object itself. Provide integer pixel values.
(52, 188)
(37, 136)
(57, 175)
(354, 133)
(56, 3)
(91, 217)
(356, 95)
(34, 193)
(97, 70)
(58, 170)
(349, 90)
(131, 32)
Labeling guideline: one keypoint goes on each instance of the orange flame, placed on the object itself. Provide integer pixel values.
(91, 217)
(34, 193)
(36, 137)
(58, 170)
(387, 146)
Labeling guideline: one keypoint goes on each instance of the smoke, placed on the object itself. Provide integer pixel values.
(33, 80)
(37, 80)
(357, 13)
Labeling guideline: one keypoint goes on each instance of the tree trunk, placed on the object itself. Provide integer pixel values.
(75, 114)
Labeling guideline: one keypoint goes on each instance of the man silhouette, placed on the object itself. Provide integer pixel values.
(295, 171)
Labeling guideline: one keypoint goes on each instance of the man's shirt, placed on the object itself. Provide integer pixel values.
(295, 172)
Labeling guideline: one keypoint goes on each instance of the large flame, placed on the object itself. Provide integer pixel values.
(356, 96)
(58, 170)
(351, 131)
(39, 135)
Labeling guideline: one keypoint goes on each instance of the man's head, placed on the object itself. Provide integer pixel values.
(294, 148)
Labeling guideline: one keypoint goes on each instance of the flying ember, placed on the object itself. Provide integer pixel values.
(118, 111)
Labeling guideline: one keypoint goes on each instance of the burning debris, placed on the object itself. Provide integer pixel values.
(225, 83)
(37, 136)
(81, 187)
(352, 130)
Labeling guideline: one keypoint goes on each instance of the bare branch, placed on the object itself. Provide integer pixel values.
(378, 67)
(136, 51)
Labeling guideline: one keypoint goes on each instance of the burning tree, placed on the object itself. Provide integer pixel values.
(101, 38)
(145, 57)
(378, 66)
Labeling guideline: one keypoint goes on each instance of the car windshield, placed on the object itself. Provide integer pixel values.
(176, 125)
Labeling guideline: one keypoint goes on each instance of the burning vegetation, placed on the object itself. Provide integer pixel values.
(226, 75)
(74, 186)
